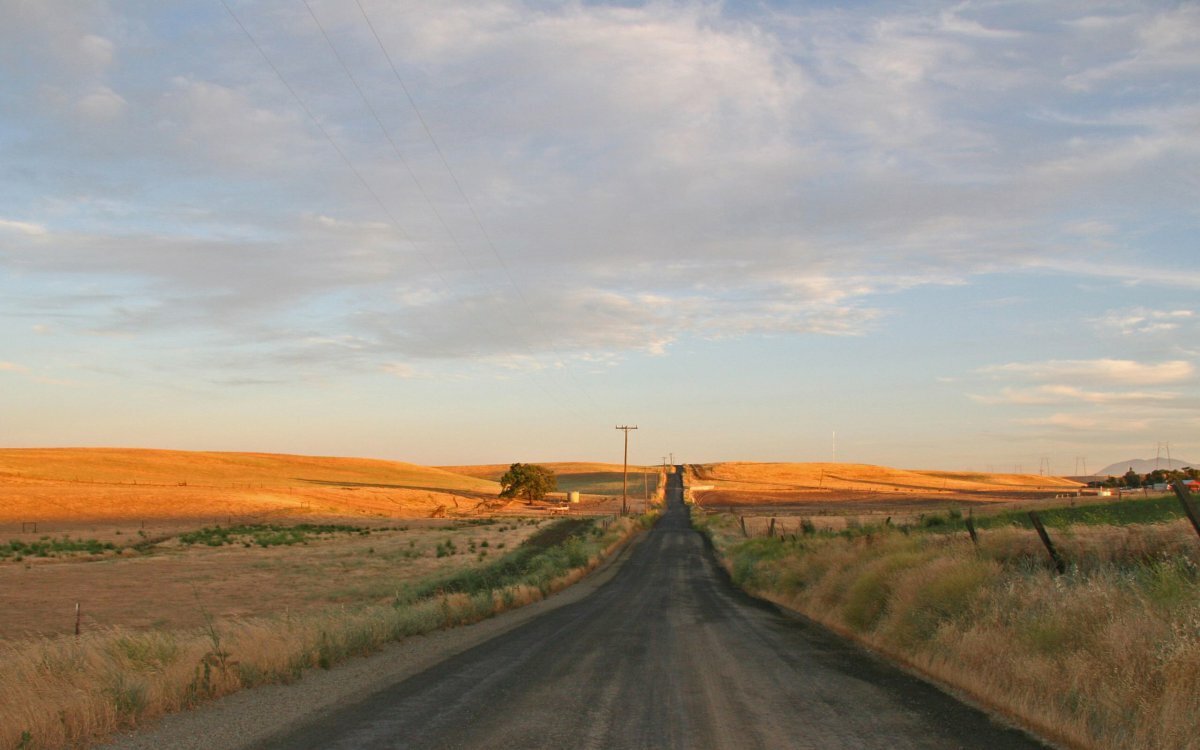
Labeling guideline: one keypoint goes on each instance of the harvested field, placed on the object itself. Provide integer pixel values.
(64, 490)
(174, 586)
(865, 477)
(820, 488)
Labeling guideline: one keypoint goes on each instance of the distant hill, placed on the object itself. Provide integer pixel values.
(169, 467)
(72, 485)
(792, 476)
(1145, 466)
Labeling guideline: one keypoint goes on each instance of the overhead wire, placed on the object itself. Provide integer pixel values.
(463, 193)
(400, 155)
(393, 221)
(425, 194)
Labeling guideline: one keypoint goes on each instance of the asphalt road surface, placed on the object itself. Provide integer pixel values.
(668, 654)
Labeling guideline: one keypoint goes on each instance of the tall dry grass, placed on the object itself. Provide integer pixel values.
(1106, 656)
(69, 692)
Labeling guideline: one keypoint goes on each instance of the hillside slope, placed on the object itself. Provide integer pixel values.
(1144, 466)
(835, 476)
(65, 485)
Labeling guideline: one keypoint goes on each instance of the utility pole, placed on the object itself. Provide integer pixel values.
(625, 472)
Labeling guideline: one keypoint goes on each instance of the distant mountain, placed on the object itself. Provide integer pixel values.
(1145, 466)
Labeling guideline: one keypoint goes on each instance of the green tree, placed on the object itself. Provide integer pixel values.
(1132, 478)
(529, 481)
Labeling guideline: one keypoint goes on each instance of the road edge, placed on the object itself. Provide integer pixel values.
(994, 713)
(245, 719)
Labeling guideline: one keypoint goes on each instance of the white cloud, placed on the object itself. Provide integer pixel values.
(1117, 371)
(1141, 321)
(12, 367)
(1057, 394)
(400, 370)
(1075, 422)
(100, 104)
(217, 122)
(24, 227)
(96, 50)
(645, 174)
(1153, 43)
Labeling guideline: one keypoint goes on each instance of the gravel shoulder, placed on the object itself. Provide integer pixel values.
(245, 719)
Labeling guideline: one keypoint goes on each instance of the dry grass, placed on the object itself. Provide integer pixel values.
(67, 692)
(124, 466)
(65, 489)
(865, 477)
(166, 585)
(1107, 656)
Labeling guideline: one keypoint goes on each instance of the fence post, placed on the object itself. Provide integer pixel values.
(1181, 491)
(742, 522)
(1041, 530)
(76, 619)
(771, 529)
(971, 530)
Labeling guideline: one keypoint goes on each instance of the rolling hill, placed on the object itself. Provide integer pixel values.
(63, 485)
(1144, 466)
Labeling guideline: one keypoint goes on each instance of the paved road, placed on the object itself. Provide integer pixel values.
(666, 655)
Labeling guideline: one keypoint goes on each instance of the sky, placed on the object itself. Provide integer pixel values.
(925, 234)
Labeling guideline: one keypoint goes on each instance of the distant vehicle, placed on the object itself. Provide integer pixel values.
(1192, 485)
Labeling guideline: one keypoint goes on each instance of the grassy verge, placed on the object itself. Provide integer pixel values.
(1116, 513)
(69, 692)
(1106, 656)
(52, 547)
(266, 535)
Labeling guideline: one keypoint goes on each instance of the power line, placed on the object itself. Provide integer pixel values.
(625, 472)
(421, 187)
(341, 153)
(463, 193)
(395, 223)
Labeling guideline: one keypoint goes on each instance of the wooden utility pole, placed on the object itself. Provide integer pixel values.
(625, 472)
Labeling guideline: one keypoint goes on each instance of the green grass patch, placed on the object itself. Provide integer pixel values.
(267, 535)
(52, 547)
(1115, 513)
(546, 555)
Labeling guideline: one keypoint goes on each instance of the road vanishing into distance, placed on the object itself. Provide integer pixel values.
(667, 654)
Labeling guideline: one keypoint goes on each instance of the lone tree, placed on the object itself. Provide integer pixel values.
(1132, 478)
(529, 481)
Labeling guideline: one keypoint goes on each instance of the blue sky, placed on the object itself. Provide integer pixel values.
(961, 235)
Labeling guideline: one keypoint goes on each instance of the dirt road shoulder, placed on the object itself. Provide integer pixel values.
(244, 719)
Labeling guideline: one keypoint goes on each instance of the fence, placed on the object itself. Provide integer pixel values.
(775, 527)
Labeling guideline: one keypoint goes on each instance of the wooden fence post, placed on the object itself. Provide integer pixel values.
(76, 619)
(771, 529)
(971, 530)
(1181, 491)
(742, 521)
(1041, 530)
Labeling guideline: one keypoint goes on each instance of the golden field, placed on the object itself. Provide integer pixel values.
(67, 488)
(171, 585)
(820, 487)
(178, 558)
